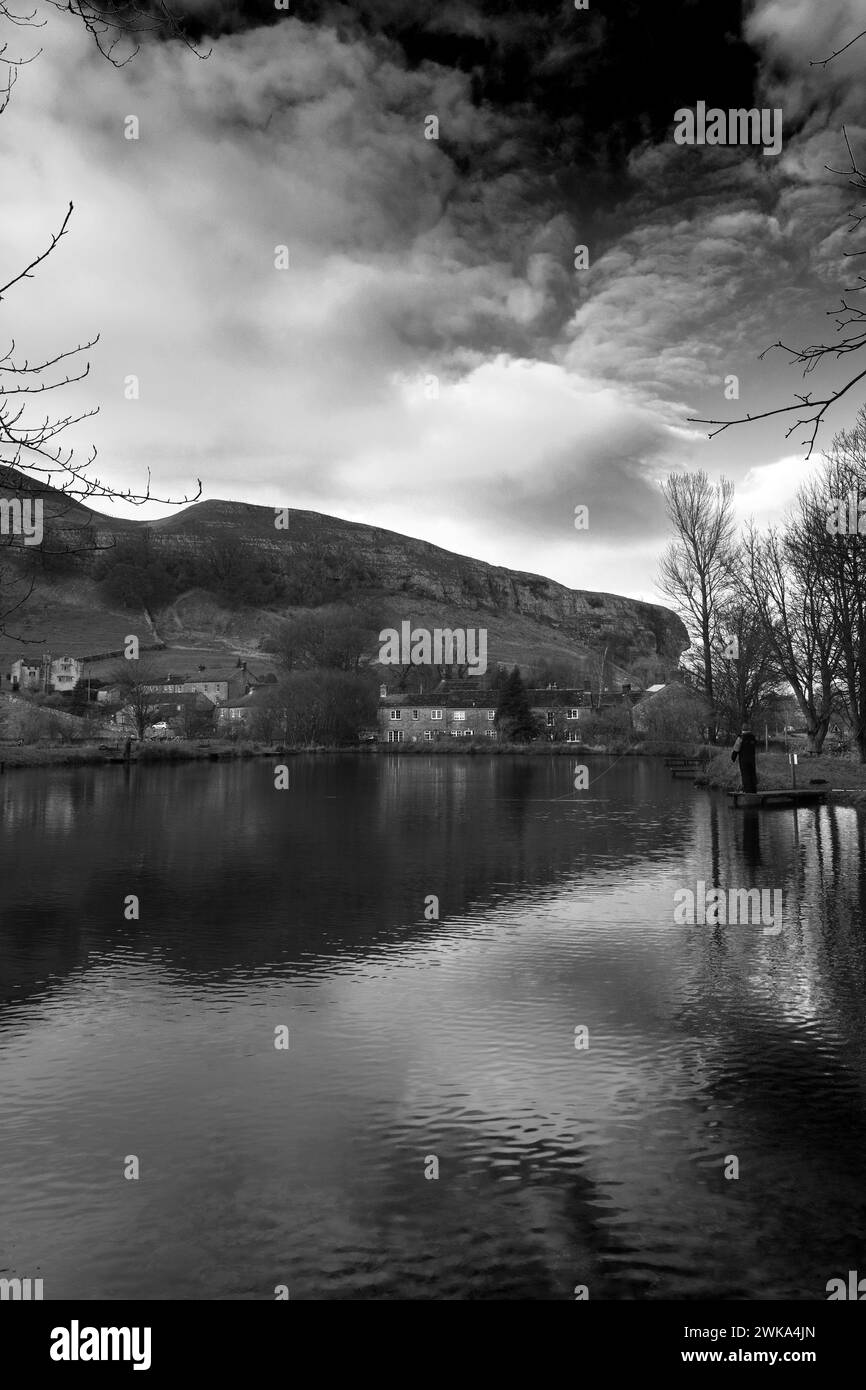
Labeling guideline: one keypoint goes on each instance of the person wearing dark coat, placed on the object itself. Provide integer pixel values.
(744, 750)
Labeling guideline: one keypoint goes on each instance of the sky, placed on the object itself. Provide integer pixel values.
(431, 360)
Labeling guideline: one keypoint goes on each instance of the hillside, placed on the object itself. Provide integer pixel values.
(528, 617)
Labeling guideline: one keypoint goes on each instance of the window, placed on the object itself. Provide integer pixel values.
(460, 714)
(428, 735)
(572, 736)
(395, 735)
(491, 714)
(435, 714)
(491, 733)
(416, 714)
(396, 713)
(574, 714)
(550, 718)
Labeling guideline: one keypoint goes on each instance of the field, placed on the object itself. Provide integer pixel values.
(842, 772)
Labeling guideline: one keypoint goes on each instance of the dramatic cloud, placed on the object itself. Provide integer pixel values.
(432, 360)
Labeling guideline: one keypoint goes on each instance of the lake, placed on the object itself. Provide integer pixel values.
(541, 1089)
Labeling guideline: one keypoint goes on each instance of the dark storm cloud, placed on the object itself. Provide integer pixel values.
(582, 87)
(535, 153)
(601, 79)
(433, 362)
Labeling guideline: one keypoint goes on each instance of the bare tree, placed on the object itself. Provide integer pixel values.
(602, 671)
(32, 450)
(138, 684)
(840, 557)
(792, 597)
(745, 671)
(697, 567)
(340, 638)
(116, 27)
(806, 411)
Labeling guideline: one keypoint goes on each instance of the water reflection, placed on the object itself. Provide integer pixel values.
(411, 1037)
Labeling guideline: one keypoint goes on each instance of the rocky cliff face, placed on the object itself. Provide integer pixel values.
(413, 579)
(423, 577)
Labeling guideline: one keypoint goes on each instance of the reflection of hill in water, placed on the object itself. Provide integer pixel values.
(233, 875)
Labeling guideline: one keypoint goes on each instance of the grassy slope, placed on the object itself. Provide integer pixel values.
(774, 771)
(70, 619)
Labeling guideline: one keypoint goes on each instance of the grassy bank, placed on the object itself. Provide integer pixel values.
(81, 754)
(14, 756)
(615, 747)
(843, 774)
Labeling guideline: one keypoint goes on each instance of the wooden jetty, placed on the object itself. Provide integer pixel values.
(783, 796)
(689, 773)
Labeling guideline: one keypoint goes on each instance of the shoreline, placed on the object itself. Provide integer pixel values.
(14, 756)
(846, 779)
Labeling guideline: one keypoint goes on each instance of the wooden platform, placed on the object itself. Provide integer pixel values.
(782, 796)
(686, 772)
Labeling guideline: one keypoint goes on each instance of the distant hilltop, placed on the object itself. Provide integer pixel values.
(230, 574)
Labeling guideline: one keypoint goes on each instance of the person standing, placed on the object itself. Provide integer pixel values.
(744, 750)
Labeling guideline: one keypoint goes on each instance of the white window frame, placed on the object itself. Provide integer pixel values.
(435, 714)
(459, 715)
(395, 714)
(395, 735)
(491, 714)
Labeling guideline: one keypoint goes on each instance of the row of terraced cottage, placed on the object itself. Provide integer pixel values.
(457, 709)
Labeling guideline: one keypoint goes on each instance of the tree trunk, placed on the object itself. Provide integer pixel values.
(817, 732)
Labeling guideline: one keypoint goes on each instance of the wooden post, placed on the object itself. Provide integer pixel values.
(793, 760)
(766, 738)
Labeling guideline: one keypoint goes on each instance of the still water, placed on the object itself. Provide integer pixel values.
(413, 1039)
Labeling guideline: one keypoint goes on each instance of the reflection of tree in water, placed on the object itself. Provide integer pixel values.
(751, 839)
(517, 790)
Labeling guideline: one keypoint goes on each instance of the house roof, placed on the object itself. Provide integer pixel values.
(196, 677)
(195, 699)
(555, 695)
(670, 693)
(439, 700)
(254, 699)
(218, 675)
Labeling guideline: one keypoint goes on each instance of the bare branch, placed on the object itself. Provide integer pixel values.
(822, 62)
